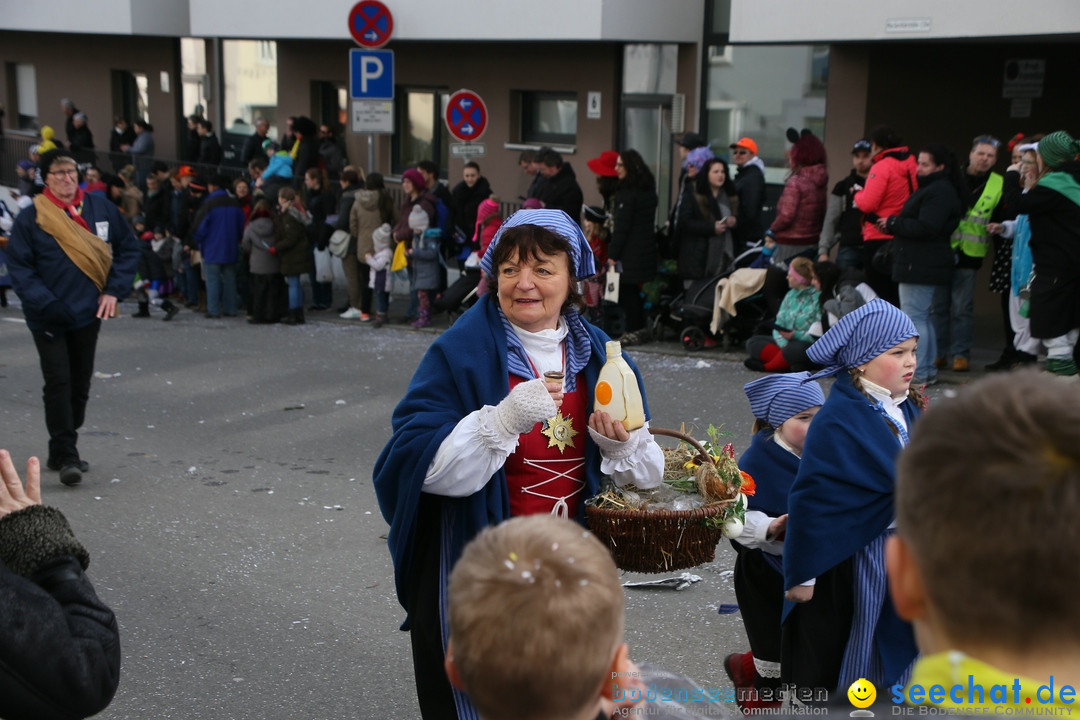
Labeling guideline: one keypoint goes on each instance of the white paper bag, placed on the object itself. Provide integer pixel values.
(611, 287)
(324, 272)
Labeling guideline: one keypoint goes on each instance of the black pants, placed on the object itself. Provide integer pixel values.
(882, 283)
(815, 634)
(433, 690)
(760, 592)
(265, 304)
(67, 363)
(633, 305)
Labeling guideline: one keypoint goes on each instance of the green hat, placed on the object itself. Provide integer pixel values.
(1058, 148)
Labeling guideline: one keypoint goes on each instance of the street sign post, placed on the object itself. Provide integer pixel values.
(370, 24)
(466, 116)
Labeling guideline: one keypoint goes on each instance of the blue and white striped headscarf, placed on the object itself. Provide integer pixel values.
(860, 336)
(776, 398)
(582, 262)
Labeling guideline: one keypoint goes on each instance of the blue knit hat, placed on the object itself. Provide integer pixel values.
(775, 398)
(582, 262)
(860, 336)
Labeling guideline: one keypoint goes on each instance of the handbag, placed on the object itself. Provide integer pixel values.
(339, 243)
(883, 258)
(324, 271)
(400, 262)
(611, 287)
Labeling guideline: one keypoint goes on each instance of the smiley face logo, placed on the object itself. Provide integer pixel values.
(862, 693)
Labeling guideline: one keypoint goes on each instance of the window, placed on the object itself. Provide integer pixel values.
(22, 81)
(419, 130)
(194, 81)
(762, 90)
(131, 99)
(549, 118)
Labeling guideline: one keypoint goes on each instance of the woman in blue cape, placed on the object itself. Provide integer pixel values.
(481, 435)
(842, 626)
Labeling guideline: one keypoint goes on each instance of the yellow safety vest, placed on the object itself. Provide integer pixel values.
(971, 235)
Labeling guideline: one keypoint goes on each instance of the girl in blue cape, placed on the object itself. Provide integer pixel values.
(783, 407)
(839, 623)
(481, 435)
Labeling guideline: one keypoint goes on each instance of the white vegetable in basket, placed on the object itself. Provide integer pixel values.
(732, 528)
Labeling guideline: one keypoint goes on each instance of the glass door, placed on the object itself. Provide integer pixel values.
(646, 127)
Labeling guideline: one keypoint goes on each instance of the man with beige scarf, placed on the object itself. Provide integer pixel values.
(71, 257)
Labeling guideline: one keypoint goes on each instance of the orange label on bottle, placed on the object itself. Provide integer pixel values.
(603, 393)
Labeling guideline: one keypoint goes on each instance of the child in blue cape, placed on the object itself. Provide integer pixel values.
(839, 624)
(783, 407)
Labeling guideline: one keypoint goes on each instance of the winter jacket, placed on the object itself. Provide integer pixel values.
(750, 187)
(402, 231)
(702, 253)
(59, 643)
(293, 247)
(219, 227)
(364, 218)
(890, 183)
(257, 241)
(1053, 209)
(633, 241)
(320, 205)
(426, 259)
(381, 279)
(921, 233)
(800, 211)
(56, 295)
(562, 192)
(210, 150)
(466, 202)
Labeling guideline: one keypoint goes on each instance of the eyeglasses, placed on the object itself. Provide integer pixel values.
(619, 163)
(986, 140)
(72, 173)
(740, 151)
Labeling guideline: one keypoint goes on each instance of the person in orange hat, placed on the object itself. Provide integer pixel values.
(750, 187)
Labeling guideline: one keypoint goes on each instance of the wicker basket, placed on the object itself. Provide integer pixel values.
(660, 540)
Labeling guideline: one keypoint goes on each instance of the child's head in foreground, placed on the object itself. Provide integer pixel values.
(987, 553)
(536, 620)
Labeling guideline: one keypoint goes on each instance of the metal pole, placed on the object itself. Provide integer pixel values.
(371, 153)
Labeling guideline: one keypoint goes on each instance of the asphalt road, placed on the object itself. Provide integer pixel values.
(232, 524)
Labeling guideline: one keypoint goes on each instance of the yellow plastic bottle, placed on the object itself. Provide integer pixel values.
(617, 391)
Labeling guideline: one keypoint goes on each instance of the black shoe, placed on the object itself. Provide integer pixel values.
(171, 313)
(1022, 359)
(1007, 361)
(755, 364)
(212, 317)
(54, 465)
(71, 475)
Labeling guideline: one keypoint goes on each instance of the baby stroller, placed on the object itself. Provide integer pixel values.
(692, 312)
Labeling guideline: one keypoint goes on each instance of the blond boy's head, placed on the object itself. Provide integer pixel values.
(536, 619)
(988, 508)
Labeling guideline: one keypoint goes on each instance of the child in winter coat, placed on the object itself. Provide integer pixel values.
(426, 257)
(381, 280)
(785, 348)
(783, 407)
(266, 282)
(155, 272)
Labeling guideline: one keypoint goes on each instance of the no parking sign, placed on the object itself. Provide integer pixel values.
(466, 116)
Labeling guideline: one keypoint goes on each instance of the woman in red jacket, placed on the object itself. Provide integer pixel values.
(800, 211)
(890, 184)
